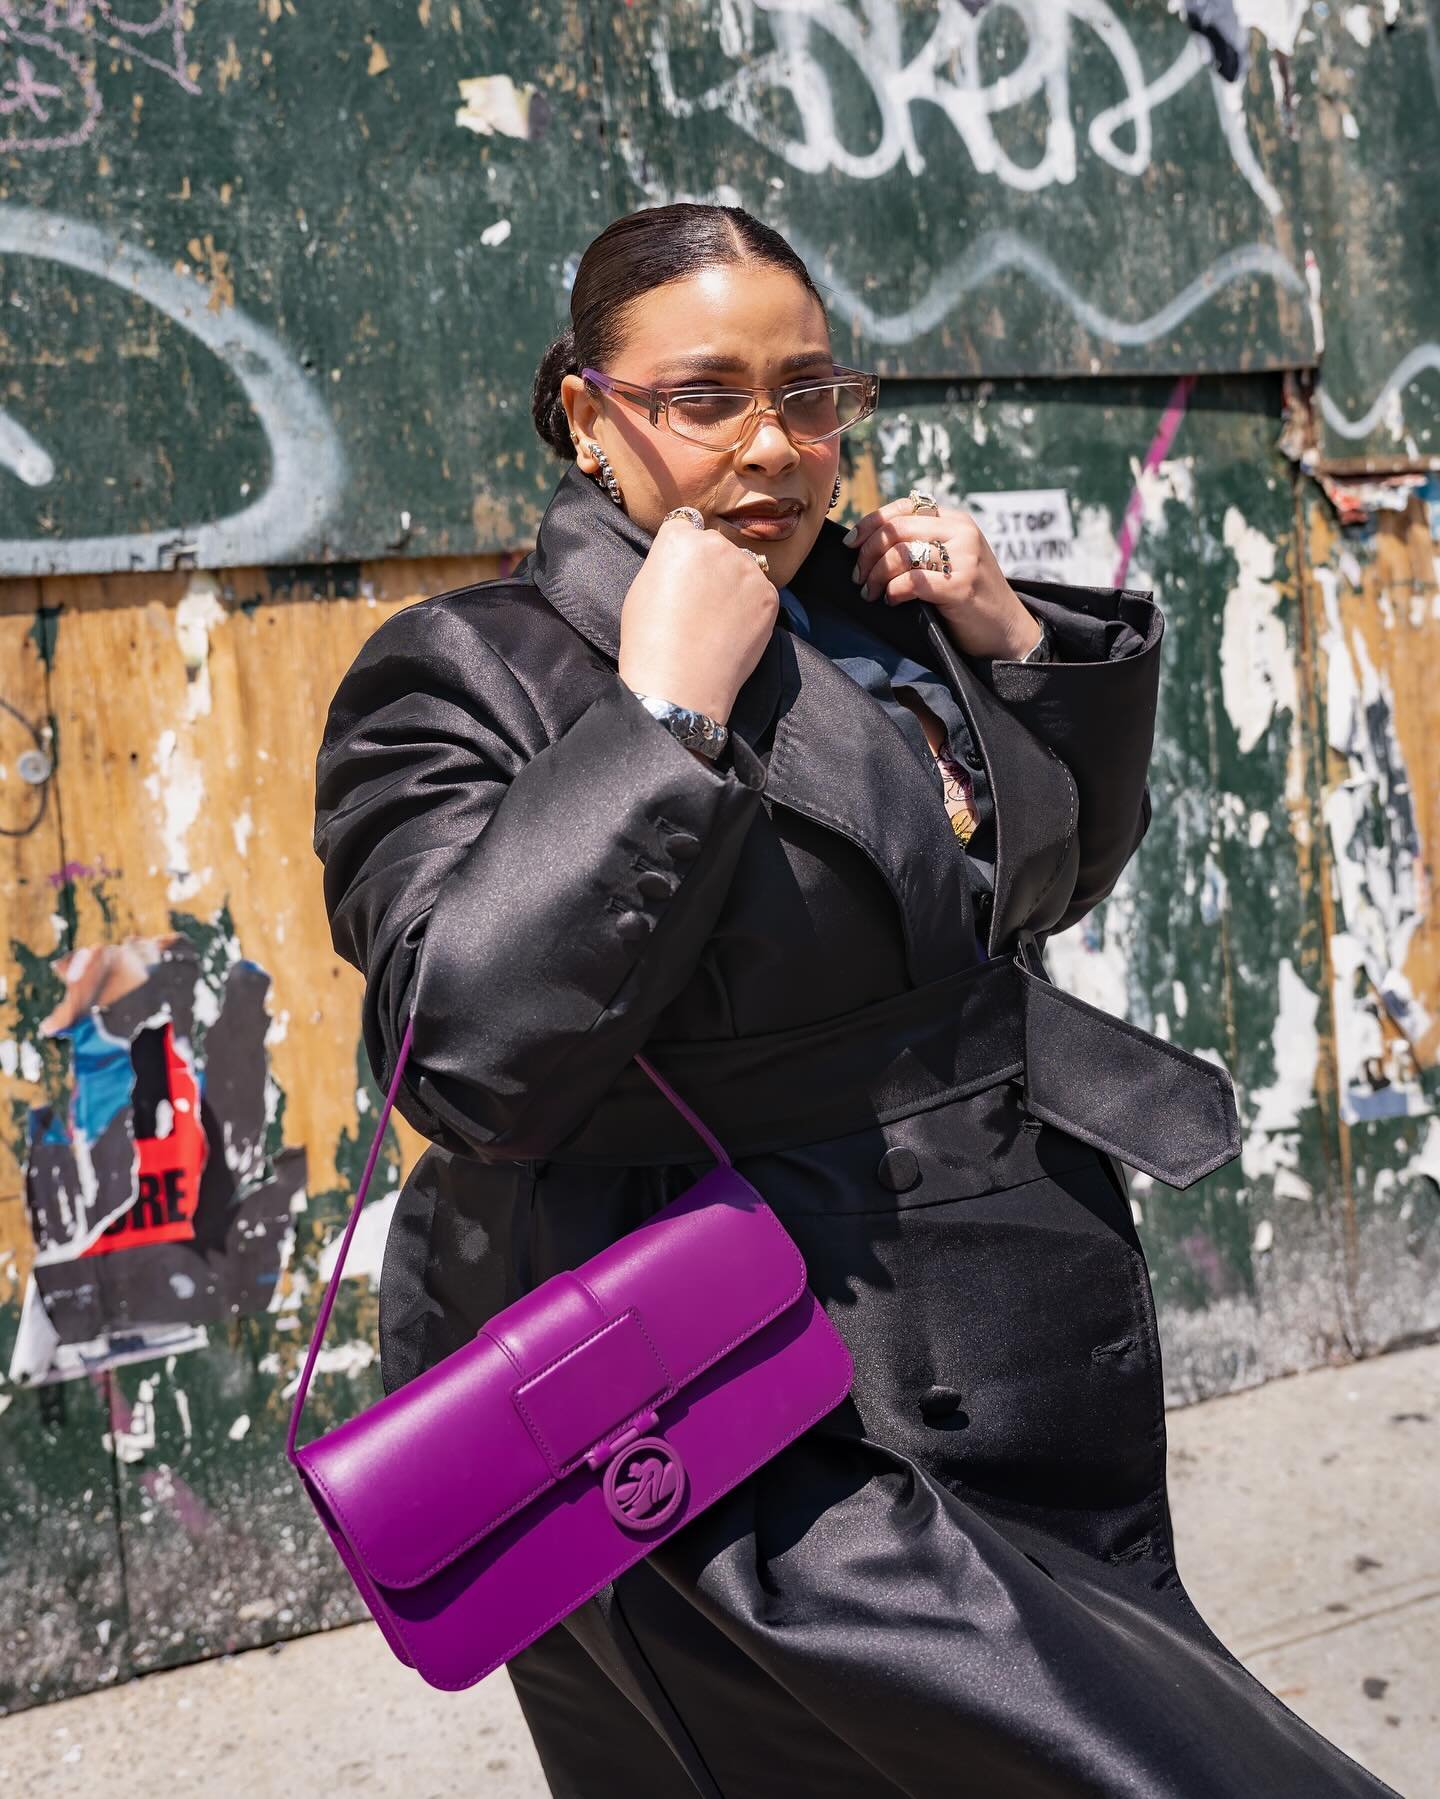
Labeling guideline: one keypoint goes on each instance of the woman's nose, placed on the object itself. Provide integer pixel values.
(767, 447)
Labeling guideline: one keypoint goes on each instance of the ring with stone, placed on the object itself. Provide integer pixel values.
(690, 515)
(921, 551)
(760, 557)
(920, 501)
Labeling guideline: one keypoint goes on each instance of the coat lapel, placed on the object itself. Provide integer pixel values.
(835, 755)
(1034, 795)
(587, 552)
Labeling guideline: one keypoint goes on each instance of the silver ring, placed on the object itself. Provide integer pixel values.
(690, 515)
(921, 551)
(920, 501)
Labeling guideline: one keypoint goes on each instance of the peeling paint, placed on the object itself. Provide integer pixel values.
(491, 104)
(1378, 862)
(198, 613)
(336, 1358)
(1271, 1147)
(1257, 669)
(1277, 21)
(178, 787)
(367, 1246)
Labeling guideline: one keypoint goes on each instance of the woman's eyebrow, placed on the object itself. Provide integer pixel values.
(732, 365)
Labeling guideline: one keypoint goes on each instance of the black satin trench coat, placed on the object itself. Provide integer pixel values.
(962, 1581)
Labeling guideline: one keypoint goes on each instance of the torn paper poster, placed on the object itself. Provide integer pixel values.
(157, 1196)
(1030, 530)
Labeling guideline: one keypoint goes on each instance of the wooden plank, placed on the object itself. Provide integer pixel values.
(188, 711)
(1374, 609)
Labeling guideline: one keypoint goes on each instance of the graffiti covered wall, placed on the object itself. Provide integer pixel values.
(1148, 288)
(312, 326)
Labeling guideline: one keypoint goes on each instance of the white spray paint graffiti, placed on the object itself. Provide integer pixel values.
(20, 453)
(307, 467)
(993, 252)
(1384, 410)
(944, 72)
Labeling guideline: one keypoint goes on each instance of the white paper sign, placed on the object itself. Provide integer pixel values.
(1030, 529)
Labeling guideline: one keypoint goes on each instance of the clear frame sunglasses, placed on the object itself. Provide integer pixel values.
(722, 418)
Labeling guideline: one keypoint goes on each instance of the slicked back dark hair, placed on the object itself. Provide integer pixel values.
(637, 253)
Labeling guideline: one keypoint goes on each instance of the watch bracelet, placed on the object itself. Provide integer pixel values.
(695, 730)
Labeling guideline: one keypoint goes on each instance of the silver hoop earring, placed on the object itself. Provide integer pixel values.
(606, 476)
(835, 497)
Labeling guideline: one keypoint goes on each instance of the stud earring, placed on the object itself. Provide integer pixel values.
(835, 497)
(606, 476)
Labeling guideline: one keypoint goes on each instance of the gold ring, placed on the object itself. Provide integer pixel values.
(690, 514)
(920, 501)
(928, 553)
(760, 557)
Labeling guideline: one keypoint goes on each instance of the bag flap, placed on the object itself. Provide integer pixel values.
(424, 1474)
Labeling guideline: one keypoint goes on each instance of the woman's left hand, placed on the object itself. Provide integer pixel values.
(981, 610)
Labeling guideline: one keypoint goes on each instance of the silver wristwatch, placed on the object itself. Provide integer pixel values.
(1043, 650)
(693, 729)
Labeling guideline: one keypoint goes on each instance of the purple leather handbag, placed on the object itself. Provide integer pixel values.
(586, 1423)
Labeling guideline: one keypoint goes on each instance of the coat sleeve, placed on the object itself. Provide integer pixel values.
(1094, 706)
(538, 900)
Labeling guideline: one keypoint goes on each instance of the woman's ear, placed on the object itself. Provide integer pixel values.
(581, 408)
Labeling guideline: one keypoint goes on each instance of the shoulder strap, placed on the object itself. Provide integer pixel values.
(327, 1304)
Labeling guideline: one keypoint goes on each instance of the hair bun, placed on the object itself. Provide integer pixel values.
(546, 408)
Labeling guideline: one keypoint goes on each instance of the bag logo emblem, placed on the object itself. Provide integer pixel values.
(645, 1484)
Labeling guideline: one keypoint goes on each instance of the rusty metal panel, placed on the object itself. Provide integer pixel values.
(276, 281)
(1030, 188)
(274, 278)
(1368, 86)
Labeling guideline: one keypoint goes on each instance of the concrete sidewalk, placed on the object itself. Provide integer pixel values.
(1307, 1515)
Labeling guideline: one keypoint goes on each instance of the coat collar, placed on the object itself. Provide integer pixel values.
(861, 782)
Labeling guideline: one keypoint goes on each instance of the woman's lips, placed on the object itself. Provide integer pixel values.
(769, 528)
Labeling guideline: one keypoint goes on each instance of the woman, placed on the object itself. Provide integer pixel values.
(793, 808)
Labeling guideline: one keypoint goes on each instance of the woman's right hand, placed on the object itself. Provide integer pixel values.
(696, 620)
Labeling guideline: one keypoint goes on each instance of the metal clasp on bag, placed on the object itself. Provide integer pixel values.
(645, 1479)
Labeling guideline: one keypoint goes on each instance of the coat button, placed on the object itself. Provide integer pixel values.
(942, 1402)
(683, 846)
(898, 1170)
(654, 885)
(632, 926)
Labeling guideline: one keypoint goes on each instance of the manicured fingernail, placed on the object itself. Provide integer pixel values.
(865, 591)
(849, 538)
(855, 573)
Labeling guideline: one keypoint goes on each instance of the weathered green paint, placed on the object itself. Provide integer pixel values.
(63, 1598)
(1372, 206)
(961, 184)
(1041, 234)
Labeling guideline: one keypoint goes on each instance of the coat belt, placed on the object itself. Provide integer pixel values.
(1120, 1089)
